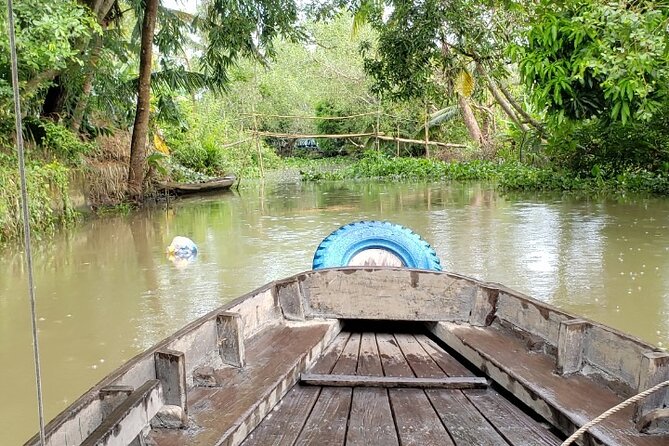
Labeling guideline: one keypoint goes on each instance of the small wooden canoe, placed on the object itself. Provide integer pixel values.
(376, 356)
(221, 183)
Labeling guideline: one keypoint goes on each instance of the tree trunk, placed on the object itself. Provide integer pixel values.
(470, 120)
(141, 127)
(82, 103)
(501, 100)
(533, 122)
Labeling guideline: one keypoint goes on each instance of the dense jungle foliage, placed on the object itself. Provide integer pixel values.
(531, 95)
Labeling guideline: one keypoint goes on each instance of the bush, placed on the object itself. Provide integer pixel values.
(48, 196)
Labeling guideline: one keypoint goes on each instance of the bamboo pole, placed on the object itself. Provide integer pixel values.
(398, 139)
(257, 139)
(427, 136)
(381, 136)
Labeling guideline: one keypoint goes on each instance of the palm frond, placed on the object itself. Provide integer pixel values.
(443, 115)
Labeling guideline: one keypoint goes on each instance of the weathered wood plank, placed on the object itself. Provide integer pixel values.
(347, 363)
(171, 371)
(327, 422)
(290, 299)
(393, 361)
(387, 294)
(512, 423)
(567, 402)
(328, 419)
(654, 370)
(225, 415)
(369, 362)
(419, 360)
(571, 343)
(446, 362)
(128, 419)
(388, 382)
(282, 426)
(230, 329)
(417, 423)
(370, 420)
(463, 422)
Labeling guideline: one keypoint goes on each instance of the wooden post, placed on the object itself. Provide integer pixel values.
(484, 308)
(257, 139)
(171, 371)
(398, 139)
(654, 370)
(112, 396)
(231, 338)
(571, 341)
(378, 118)
(427, 135)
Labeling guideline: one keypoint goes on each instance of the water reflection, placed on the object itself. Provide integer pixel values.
(107, 291)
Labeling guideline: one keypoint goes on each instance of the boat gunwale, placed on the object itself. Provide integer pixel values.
(73, 410)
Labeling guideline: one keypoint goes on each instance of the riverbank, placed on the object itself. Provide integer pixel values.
(507, 175)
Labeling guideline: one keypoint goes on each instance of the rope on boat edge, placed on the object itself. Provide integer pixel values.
(613, 410)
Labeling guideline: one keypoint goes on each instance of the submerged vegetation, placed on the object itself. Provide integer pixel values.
(537, 95)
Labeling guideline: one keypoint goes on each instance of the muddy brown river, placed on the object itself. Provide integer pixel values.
(106, 290)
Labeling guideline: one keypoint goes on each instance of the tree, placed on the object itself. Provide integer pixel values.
(141, 126)
(591, 59)
(427, 49)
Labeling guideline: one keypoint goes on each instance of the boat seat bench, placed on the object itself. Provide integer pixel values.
(225, 413)
(569, 400)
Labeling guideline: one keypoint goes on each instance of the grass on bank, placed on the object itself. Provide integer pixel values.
(509, 175)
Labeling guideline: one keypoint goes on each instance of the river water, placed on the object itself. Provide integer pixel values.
(106, 291)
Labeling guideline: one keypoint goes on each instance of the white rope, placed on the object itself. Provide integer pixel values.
(613, 410)
(26, 216)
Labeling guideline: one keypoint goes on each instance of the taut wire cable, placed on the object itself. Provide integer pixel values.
(26, 216)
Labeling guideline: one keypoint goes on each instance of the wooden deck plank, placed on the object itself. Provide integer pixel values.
(462, 420)
(369, 362)
(394, 363)
(510, 421)
(220, 413)
(417, 423)
(515, 425)
(347, 363)
(576, 398)
(419, 360)
(282, 426)
(415, 419)
(327, 421)
(326, 362)
(446, 362)
(370, 420)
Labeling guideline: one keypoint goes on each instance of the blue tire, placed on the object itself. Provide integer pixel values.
(338, 248)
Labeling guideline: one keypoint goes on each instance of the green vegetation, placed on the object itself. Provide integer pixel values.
(531, 95)
(509, 175)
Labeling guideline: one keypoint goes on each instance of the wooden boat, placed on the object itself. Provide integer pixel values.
(377, 356)
(215, 184)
